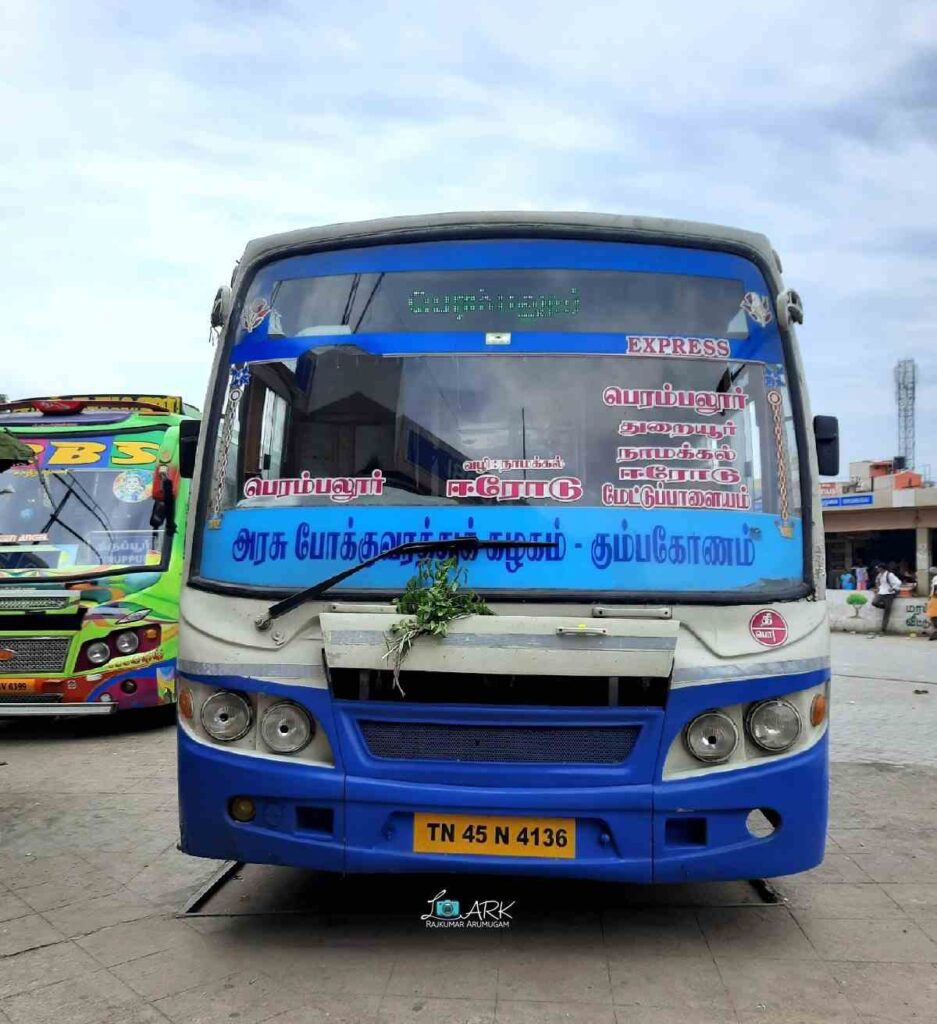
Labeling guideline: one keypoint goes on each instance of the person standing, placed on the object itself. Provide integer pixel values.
(874, 569)
(932, 603)
(888, 586)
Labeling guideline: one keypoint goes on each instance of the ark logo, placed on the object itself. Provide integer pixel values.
(447, 913)
(447, 908)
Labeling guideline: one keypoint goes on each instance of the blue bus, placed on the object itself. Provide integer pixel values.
(604, 421)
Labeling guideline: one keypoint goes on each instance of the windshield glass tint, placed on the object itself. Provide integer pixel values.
(344, 426)
(507, 300)
(86, 502)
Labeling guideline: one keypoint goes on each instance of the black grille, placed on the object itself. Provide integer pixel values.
(354, 684)
(21, 654)
(531, 744)
(33, 603)
(31, 698)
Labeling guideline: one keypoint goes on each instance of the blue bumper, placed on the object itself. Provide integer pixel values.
(631, 827)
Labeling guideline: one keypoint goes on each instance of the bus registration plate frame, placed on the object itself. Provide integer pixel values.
(494, 836)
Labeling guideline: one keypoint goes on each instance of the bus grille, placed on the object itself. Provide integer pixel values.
(33, 603)
(530, 744)
(19, 654)
(30, 698)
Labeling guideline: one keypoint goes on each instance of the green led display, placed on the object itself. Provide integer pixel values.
(524, 307)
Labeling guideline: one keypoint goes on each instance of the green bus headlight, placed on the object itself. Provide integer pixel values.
(127, 642)
(98, 652)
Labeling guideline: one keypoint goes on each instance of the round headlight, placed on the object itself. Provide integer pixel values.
(712, 737)
(127, 642)
(285, 728)
(98, 652)
(773, 725)
(226, 716)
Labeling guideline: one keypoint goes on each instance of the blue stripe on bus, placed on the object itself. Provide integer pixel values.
(756, 349)
(598, 549)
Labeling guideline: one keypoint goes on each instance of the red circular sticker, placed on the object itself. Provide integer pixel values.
(768, 628)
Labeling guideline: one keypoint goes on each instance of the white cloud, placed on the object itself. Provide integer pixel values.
(144, 146)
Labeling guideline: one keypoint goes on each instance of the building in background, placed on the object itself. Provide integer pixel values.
(883, 513)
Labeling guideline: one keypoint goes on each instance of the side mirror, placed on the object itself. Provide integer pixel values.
(188, 445)
(221, 307)
(789, 308)
(826, 431)
(158, 515)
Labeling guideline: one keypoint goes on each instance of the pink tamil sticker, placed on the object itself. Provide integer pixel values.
(717, 431)
(723, 476)
(685, 453)
(341, 489)
(705, 403)
(559, 488)
(653, 496)
(768, 628)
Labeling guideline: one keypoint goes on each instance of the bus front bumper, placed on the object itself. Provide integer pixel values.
(10, 709)
(131, 685)
(679, 831)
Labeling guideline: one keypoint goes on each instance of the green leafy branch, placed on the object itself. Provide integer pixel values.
(434, 598)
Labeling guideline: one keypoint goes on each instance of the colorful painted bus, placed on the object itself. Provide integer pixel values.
(604, 420)
(92, 511)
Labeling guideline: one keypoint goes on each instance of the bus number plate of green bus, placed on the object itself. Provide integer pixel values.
(494, 836)
(15, 686)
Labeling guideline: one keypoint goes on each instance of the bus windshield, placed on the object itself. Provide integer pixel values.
(85, 503)
(365, 410)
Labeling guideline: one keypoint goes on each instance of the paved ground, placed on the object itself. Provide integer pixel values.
(90, 882)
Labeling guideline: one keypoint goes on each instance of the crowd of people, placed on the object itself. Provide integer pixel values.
(886, 582)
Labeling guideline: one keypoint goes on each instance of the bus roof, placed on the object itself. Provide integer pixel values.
(58, 404)
(86, 410)
(500, 224)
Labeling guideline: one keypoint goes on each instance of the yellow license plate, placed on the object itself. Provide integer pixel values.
(494, 836)
(10, 687)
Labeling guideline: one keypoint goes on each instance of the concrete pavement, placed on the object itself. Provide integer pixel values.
(90, 883)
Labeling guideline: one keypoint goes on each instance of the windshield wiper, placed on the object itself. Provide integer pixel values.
(367, 305)
(55, 516)
(415, 547)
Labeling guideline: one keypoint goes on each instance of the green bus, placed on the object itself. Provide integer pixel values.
(92, 515)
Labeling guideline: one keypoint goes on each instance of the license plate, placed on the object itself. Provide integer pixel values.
(11, 687)
(494, 836)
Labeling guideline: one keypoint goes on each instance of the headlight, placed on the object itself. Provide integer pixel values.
(773, 725)
(711, 737)
(98, 652)
(226, 716)
(285, 728)
(127, 642)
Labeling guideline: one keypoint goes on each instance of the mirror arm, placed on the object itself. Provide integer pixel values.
(169, 524)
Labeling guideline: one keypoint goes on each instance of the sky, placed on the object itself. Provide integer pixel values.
(144, 144)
